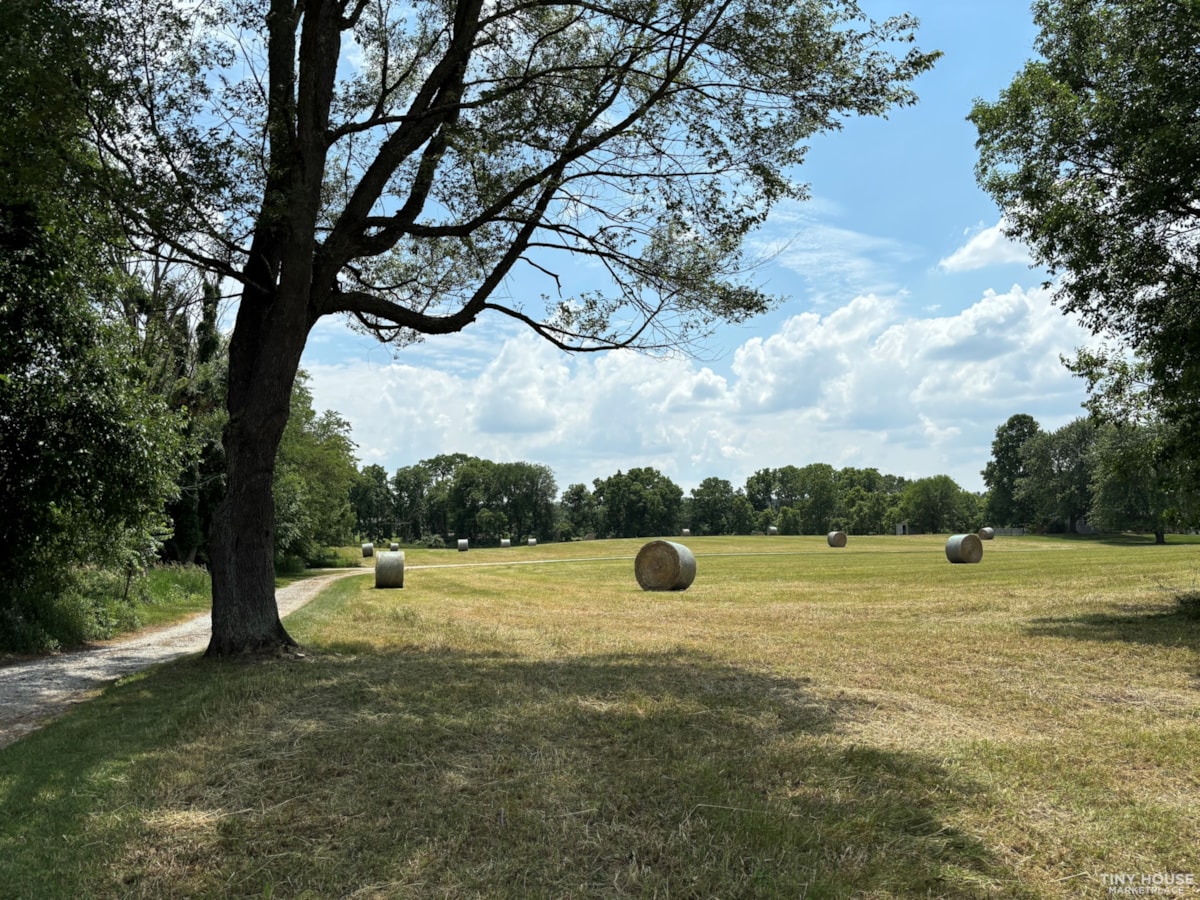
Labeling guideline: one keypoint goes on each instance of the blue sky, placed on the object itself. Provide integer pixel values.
(912, 329)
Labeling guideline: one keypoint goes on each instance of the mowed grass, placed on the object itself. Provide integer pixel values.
(802, 722)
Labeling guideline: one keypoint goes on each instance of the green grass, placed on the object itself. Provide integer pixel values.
(175, 592)
(865, 722)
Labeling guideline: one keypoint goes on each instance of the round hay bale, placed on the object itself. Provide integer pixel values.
(987, 533)
(964, 548)
(771, 529)
(462, 545)
(368, 550)
(505, 542)
(393, 546)
(685, 532)
(533, 542)
(389, 569)
(664, 566)
(837, 539)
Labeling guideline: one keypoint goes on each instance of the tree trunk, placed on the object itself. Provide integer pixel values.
(1160, 537)
(264, 356)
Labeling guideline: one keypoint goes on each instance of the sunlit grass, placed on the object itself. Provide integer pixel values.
(870, 721)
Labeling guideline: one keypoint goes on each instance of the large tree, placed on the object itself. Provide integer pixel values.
(401, 163)
(1005, 470)
(641, 503)
(89, 450)
(1093, 152)
(1057, 475)
(1134, 487)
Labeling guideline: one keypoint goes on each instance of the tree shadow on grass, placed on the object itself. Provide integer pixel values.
(1121, 539)
(1175, 625)
(441, 773)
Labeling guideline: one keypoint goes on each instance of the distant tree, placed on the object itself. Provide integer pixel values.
(640, 503)
(313, 479)
(373, 504)
(741, 517)
(524, 492)
(1093, 153)
(425, 493)
(1135, 486)
(869, 480)
(1142, 477)
(938, 505)
(869, 512)
(1057, 484)
(762, 488)
(416, 503)
(712, 507)
(790, 521)
(789, 487)
(819, 503)
(490, 500)
(579, 510)
(1005, 470)
(470, 492)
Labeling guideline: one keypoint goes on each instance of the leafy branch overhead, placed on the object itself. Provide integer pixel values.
(442, 150)
(1093, 152)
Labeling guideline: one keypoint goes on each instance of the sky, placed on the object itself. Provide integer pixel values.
(911, 327)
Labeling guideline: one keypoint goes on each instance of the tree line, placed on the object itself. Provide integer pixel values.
(460, 496)
(1093, 473)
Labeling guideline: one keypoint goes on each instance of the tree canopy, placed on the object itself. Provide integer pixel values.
(1005, 469)
(1093, 153)
(89, 449)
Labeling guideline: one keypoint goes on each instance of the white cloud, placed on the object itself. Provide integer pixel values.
(834, 261)
(864, 385)
(986, 247)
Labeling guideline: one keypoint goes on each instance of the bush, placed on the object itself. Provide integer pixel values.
(55, 607)
(336, 558)
(433, 542)
(51, 607)
(289, 564)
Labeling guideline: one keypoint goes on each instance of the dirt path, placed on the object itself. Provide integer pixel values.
(35, 692)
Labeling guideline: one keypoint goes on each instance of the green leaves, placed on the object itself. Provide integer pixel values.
(1093, 153)
(314, 473)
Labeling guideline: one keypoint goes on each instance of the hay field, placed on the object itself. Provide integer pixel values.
(803, 721)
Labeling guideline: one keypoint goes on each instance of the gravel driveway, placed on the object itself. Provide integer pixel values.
(33, 693)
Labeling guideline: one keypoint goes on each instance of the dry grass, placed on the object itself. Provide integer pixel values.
(869, 721)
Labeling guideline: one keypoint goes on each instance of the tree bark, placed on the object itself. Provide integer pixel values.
(264, 356)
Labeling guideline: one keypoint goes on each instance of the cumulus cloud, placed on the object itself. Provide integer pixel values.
(865, 385)
(520, 390)
(986, 247)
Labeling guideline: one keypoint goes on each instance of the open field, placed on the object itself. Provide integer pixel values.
(803, 721)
